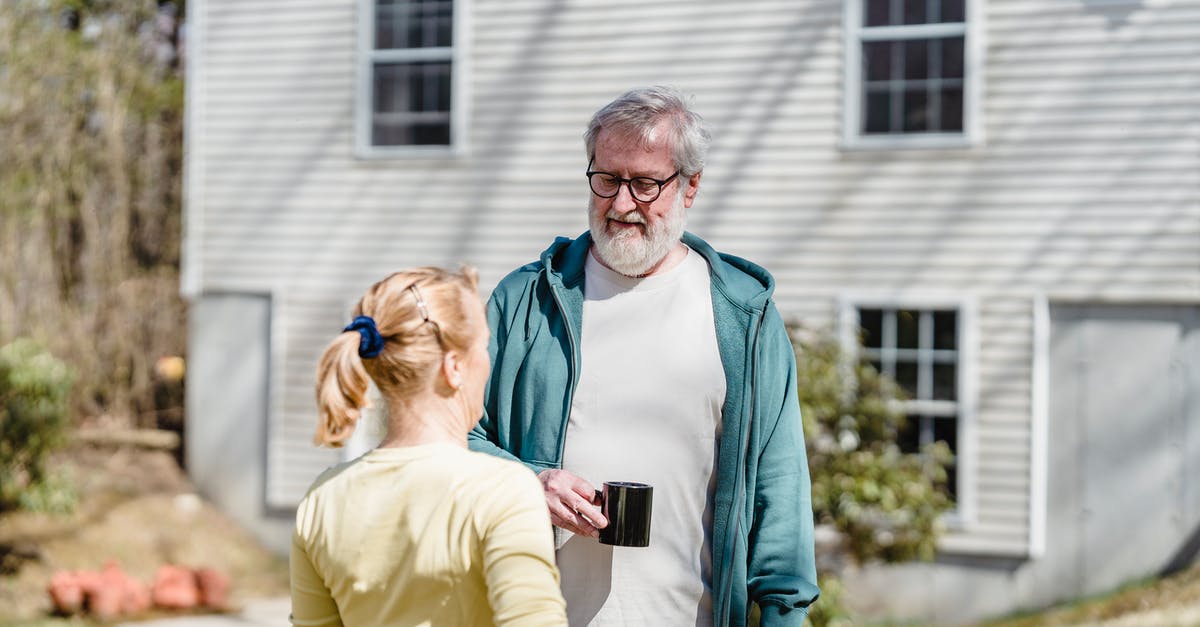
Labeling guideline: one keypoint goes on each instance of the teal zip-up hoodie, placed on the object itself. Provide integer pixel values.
(762, 522)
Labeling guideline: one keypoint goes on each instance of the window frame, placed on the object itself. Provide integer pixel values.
(364, 95)
(854, 34)
(965, 512)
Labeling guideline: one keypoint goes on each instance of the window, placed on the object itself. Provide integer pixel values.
(928, 347)
(409, 99)
(909, 77)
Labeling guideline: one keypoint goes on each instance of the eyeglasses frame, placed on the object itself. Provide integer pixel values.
(628, 183)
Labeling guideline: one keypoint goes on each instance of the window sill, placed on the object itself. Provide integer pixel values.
(382, 153)
(880, 143)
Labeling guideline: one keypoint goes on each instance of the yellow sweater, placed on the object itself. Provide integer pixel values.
(424, 535)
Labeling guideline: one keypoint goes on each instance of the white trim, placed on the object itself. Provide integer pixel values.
(968, 417)
(967, 459)
(916, 141)
(191, 269)
(911, 31)
(363, 86)
(363, 38)
(1039, 428)
(851, 72)
(853, 33)
(412, 55)
(460, 99)
(902, 298)
(276, 455)
(973, 67)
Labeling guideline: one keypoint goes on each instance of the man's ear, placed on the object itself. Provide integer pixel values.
(693, 187)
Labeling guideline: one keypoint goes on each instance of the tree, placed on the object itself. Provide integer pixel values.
(91, 114)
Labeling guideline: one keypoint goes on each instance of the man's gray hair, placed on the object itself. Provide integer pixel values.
(639, 111)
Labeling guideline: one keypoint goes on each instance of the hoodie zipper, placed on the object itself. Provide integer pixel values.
(739, 503)
(573, 376)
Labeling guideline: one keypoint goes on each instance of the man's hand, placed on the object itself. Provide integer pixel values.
(570, 500)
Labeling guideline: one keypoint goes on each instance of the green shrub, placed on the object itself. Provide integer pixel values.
(829, 611)
(885, 504)
(34, 391)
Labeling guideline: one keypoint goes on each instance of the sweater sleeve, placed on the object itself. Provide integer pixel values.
(312, 603)
(518, 554)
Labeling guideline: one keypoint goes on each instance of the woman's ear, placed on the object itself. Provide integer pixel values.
(453, 369)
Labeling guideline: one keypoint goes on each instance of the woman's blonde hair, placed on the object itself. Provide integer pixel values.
(419, 313)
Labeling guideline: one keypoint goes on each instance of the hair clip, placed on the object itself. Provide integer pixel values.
(420, 302)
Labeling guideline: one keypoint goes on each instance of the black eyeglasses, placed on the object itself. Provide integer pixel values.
(642, 188)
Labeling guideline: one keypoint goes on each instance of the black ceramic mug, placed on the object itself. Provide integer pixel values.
(627, 507)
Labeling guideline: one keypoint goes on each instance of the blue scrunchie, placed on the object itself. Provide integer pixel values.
(371, 343)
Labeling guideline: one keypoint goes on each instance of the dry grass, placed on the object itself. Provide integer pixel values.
(137, 509)
(1169, 602)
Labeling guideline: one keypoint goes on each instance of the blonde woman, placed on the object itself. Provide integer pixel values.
(419, 531)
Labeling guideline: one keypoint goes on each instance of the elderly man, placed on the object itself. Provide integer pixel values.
(636, 352)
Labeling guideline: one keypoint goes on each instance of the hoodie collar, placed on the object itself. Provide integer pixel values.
(741, 281)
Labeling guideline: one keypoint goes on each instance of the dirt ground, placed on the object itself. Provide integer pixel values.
(135, 507)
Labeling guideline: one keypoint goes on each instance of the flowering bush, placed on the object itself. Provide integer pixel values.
(887, 504)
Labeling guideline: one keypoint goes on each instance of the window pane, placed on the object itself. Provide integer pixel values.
(431, 134)
(916, 110)
(412, 104)
(871, 323)
(423, 86)
(909, 437)
(914, 11)
(952, 109)
(906, 328)
(945, 382)
(946, 430)
(877, 59)
(945, 330)
(906, 376)
(952, 57)
(878, 111)
(876, 13)
(916, 59)
(413, 23)
(952, 11)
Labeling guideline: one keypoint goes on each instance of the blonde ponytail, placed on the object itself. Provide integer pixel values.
(341, 391)
(415, 315)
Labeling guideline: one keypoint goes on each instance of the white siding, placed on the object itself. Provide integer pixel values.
(1087, 186)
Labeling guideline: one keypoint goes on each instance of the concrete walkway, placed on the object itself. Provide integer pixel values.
(254, 613)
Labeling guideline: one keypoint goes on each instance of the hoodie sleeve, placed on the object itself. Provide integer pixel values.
(781, 569)
(484, 437)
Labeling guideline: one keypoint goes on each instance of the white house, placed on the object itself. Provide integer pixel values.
(1005, 194)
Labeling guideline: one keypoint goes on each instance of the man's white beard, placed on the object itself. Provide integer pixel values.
(631, 253)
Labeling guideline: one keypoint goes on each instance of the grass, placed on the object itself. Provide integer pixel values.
(1173, 600)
